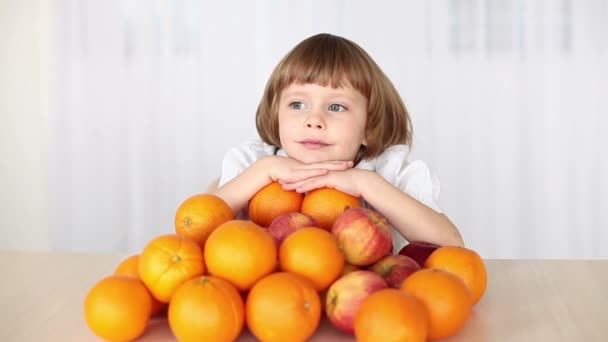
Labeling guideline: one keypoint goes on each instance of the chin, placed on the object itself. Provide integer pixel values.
(308, 159)
(312, 156)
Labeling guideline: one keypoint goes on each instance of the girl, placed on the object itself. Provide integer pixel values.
(329, 117)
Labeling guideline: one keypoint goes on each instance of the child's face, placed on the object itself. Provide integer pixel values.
(318, 123)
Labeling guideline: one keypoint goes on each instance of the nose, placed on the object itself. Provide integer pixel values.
(315, 121)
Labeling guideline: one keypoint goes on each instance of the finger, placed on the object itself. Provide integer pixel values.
(313, 183)
(294, 185)
(332, 165)
(303, 174)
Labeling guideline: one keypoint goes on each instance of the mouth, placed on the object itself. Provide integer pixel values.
(313, 144)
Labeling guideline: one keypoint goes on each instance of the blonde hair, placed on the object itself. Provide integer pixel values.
(326, 59)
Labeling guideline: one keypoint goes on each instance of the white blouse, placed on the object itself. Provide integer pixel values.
(416, 178)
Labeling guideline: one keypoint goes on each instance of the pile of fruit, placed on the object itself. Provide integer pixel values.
(299, 257)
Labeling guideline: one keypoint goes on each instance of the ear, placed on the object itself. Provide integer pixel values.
(364, 142)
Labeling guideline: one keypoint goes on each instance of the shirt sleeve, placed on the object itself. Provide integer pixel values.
(239, 158)
(416, 179)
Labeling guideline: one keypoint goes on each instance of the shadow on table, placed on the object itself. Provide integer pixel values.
(158, 330)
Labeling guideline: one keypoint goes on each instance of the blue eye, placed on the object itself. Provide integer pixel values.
(334, 107)
(297, 105)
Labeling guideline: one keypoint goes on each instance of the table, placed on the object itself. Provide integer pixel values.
(42, 294)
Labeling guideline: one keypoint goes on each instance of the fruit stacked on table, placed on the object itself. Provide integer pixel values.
(276, 273)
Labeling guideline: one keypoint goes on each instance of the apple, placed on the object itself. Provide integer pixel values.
(418, 250)
(363, 235)
(285, 224)
(395, 268)
(345, 296)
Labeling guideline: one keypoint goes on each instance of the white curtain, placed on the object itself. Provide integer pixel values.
(507, 100)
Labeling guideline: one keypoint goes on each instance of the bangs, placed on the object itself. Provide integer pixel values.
(328, 60)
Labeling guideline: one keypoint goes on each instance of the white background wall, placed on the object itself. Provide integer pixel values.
(23, 124)
(113, 112)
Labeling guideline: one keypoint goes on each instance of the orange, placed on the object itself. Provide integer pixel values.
(199, 215)
(463, 262)
(241, 252)
(283, 307)
(326, 204)
(313, 253)
(446, 298)
(271, 202)
(117, 308)
(206, 309)
(391, 315)
(129, 267)
(167, 261)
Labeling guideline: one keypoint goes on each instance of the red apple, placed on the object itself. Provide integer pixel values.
(286, 224)
(418, 250)
(395, 268)
(363, 235)
(345, 295)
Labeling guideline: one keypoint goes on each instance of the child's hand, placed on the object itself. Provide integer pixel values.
(348, 181)
(287, 170)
